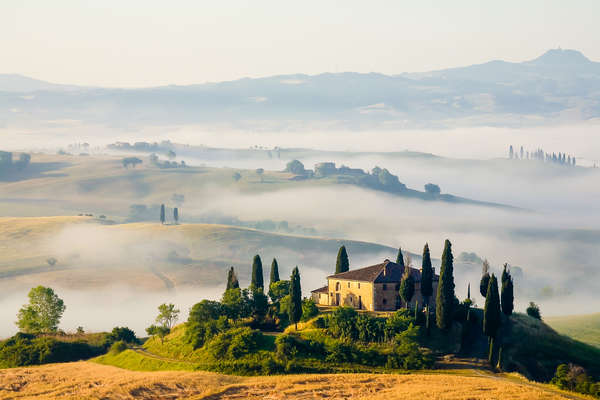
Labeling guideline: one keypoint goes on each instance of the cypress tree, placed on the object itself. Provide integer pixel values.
(445, 291)
(426, 275)
(232, 280)
(491, 313)
(274, 271)
(469, 291)
(507, 292)
(485, 278)
(295, 310)
(257, 273)
(407, 286)
(400, 258)
(342, 264)
(162, 214)
(176, 215)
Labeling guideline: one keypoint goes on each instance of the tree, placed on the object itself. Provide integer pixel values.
(426, 276)
(485, 278)
(274, 277)
(43, 312)
(171, 155)
(279, 290)
(491, 313)
(176, 215)
(510, 152)
(407, 286)
(534, 311)
(445, 291)
(162, 214)
(260, 172)
(158, 330)
(236, 176)
(232, 280)
(295, 309)
(257, 273)
(167, 315)
(400, 258)
(309, 309)
(342, 263)
(432, 189)
(260, 304)
(295, 167)
(507, 292)
(236, 303)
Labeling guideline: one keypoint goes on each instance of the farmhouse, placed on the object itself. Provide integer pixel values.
(373, 288)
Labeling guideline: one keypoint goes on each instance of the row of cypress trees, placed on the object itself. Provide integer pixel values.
(257, 285)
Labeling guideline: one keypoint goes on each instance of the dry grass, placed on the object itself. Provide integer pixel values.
(83, 380)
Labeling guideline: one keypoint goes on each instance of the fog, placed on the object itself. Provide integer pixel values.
(554, 239)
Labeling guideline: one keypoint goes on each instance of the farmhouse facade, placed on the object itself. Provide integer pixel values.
(374, 288)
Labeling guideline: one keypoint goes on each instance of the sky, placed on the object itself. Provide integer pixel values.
(138, 43)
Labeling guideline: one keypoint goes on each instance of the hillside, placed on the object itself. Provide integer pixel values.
(92, 253)
(89, 380)
(69, 184)
(585, 328)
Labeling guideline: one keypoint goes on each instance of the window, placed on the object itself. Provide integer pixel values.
(337, 286)
(397, 287)
(348, 284)
(384, 286)
(359, 285)
(384, 301)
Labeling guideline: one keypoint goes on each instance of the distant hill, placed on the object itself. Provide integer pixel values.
(585, 328)
(492, 93)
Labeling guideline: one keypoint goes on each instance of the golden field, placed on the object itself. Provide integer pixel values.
(87, 380)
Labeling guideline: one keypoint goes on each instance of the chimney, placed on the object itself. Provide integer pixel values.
(385, 264)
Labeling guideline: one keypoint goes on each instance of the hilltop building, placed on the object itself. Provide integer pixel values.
(373, 288)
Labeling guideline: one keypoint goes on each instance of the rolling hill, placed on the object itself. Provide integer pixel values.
(90, 252)
(585, 328)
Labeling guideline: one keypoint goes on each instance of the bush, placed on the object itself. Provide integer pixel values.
(122, 333)
(291, 346)
(534, 311)
(309, 310)
(342, 323)
(118, 347)
(234, 343)
(24, 349)
(198, 333)
(397, 323)
(369, 329)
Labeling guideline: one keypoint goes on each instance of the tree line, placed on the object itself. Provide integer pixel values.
(540, 155)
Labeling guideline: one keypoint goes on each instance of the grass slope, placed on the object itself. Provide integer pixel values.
(85, 380)
(585, 328)
(92, 254)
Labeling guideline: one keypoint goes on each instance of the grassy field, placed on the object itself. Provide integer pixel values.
(585, 328)
(90, 253)
(86, 380)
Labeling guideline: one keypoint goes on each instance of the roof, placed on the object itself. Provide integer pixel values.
(385, 272)
(320, 290)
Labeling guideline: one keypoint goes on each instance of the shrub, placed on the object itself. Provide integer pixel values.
(234, 343)
(397, 323)
(309, 309)
(198, 333)
(369, 329)
(534, 311)
(118, 347)
(342, 323)
(122, 333)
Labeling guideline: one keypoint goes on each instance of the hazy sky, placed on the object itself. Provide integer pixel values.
(147, 42)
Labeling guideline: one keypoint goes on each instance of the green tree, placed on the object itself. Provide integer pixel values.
(232, 280)
(407, 286)
(295, 308)
(426, 276)
(43, 312)
(279, 290)
(342, 263)
(491, 313)
(507, 292)
(236, 303)
(485, 278)
(260, 304)
(257, 274)
(533, 310)
(274, 271)
(176, 215)
(162, 214)
(236, 176)
(400, 258)
(309, 309)
(167, 315)
(158, 330)
(445, 291)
